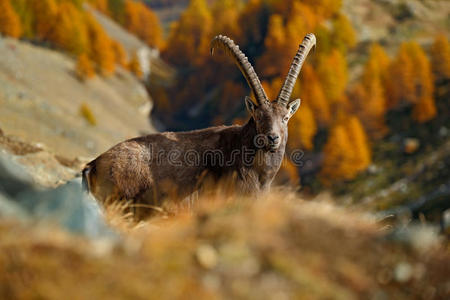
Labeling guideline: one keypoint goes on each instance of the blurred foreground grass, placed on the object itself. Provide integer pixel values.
(278, 247)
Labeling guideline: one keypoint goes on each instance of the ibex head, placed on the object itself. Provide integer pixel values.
(271, 117)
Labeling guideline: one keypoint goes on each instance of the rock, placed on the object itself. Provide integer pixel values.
(13, 177)
(10, 209)
(67, 206)
(411, 145)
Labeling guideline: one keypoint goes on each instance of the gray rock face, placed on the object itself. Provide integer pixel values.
(67, 206)
(13, 177)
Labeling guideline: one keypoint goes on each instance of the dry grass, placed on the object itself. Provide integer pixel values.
(278, 247)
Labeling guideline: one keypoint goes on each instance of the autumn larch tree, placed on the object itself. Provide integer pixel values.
(302, 129)
(361, 158)
(402, 88)
(70, 34)
(134, 66)
(101, 50)
(311, 92)
(440, 57)
(344, 36)
(44, 17)
(346, 153)
(369, 97)
(9, 20)
(188, 42)
(226, 15)
(84, 67)
(338, 152)
(334, 79)
(119, 54)
(142, 21)
(26, 16)
(424, 108)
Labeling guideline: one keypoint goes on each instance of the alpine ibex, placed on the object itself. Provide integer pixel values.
(148, 169)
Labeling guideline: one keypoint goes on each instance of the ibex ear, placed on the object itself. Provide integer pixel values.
(293, 107)
(251, 106)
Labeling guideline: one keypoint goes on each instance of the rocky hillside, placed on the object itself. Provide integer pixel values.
(44, 102)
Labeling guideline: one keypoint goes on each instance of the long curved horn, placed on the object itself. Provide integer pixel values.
(227, 44)
(285, 93)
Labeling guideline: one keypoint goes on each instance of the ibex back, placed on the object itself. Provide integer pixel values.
(149, 169)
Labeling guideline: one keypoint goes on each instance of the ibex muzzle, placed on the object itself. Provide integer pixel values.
(147, 170)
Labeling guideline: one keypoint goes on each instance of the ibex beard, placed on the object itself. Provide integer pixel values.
(151, 169)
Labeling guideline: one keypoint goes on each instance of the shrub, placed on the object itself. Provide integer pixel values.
(87, 114)
(84, 67)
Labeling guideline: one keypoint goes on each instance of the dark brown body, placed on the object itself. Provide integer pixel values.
(150, 169)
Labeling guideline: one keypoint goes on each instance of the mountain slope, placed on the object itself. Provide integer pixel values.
(41, 96)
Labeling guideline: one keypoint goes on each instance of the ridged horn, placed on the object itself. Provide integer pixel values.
(231, 49)
(305, 47)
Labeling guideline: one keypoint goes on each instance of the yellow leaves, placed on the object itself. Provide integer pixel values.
(101, 47)
(134, 66)
(84, 68)
(440, 57)
(143, 22)
(311, 92)
(302, 129)
(344, 36)
(119, 54)
(346, 152)
(71, 32)
(369, 97)
(413, 82)
(361, 151)
(189, 38)
(226, 17)
(333, 74)
(44, 14)
(9, 20)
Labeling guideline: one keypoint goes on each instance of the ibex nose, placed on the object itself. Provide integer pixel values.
(273, 138)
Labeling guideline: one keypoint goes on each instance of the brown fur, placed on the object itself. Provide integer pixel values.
(153, 168)
(139, 168)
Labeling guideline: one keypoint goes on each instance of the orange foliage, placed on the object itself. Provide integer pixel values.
(101, 50)
(346, 152)
(337, 163)
(333, 74)
(423, 99)
(44, 17)
(226, 15)
(302, 129)
(360, 144)
(188, 43)
(119, 54)
(344, 36)
(369, 97)
(142, 21)
(312, 94)
(84, 67)
(70, 34)
(440, 56)
(134, 66)
(291, 171)
(275, 42)
(101, 5)
(9, 20)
